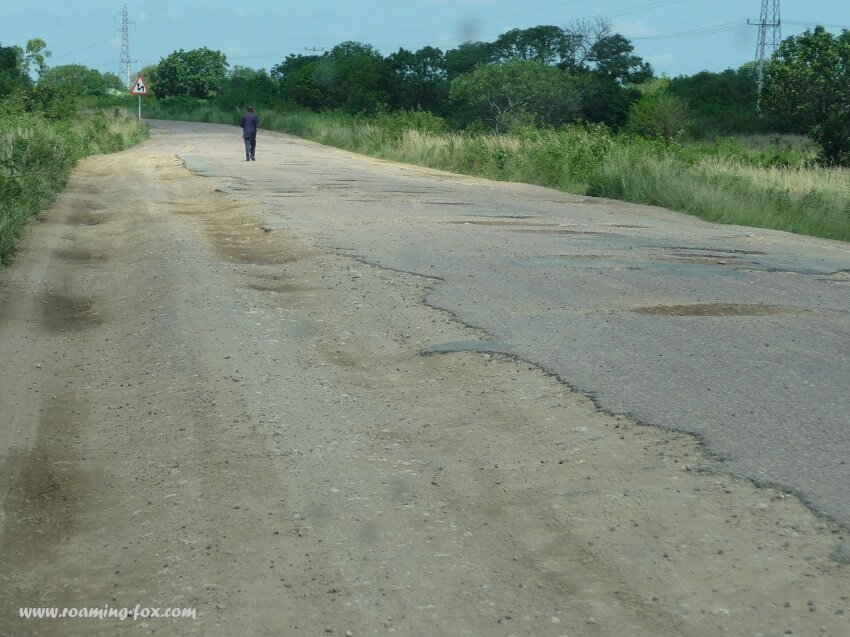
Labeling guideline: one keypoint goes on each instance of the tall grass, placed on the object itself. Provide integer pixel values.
(801, 199)
(37, 155)
(765, 182)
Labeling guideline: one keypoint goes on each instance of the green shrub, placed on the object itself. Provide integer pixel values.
(37, 155)
(396, 123)
(660, 115)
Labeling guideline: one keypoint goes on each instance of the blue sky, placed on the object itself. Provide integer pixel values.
(676, 36)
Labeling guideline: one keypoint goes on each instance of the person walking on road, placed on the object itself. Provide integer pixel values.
(249, 124)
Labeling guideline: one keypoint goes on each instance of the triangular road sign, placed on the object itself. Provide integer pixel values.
(139, 88)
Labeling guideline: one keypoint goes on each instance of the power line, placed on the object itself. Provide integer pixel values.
(85, 48)
(80, 35)
(798, 23)
(658, 4)
(698, 31)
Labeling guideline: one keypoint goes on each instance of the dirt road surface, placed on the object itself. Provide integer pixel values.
(210, 402)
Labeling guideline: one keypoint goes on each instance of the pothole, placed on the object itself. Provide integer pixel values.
(719, 251)
(77, 255)
(84, 219)
(557, 230)
(453, 347)
(281, 287)
(717, 309)
(65, 313)
(838, 277)
(501, 222)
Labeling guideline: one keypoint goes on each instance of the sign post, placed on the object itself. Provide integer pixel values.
(139, 88)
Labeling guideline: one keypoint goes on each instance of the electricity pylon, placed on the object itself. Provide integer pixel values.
(125, 46)
(769, 38)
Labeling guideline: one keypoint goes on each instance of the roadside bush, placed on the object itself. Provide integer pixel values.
(35, 160)
(394, 124)
(660, 115)
(37, 154)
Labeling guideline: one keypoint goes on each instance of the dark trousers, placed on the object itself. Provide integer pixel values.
(250, 146)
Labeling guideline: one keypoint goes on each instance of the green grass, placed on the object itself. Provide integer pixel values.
(37, 155)
(759, 181)
(811, 201)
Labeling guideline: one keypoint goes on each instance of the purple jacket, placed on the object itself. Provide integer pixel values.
(249, 124)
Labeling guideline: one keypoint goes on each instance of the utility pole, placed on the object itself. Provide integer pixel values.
(125, 46)
(769, 38)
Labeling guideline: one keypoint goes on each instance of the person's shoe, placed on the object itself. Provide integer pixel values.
(252, 159)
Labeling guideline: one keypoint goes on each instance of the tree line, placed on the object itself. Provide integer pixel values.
(542, 76)
(545, 75)
(53, 92)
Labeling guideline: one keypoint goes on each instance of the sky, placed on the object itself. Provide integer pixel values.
(678, 37)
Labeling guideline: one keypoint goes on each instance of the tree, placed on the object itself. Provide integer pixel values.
(198, 73)
(612, 59)
(244, 86)
(659, 114)
(36, 56)
(297, 80)
(542, 44)
(76, 79)
(578, 42)
(418, 80)
(605, 68)
(352, 76)
(604, 100)
(467, 57)
(13, 74)
(591, 46)
(722, 103)
(808, 82)
(518, 92)
(357, 79)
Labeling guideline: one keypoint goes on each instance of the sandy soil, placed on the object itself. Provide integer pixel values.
(202, 412)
